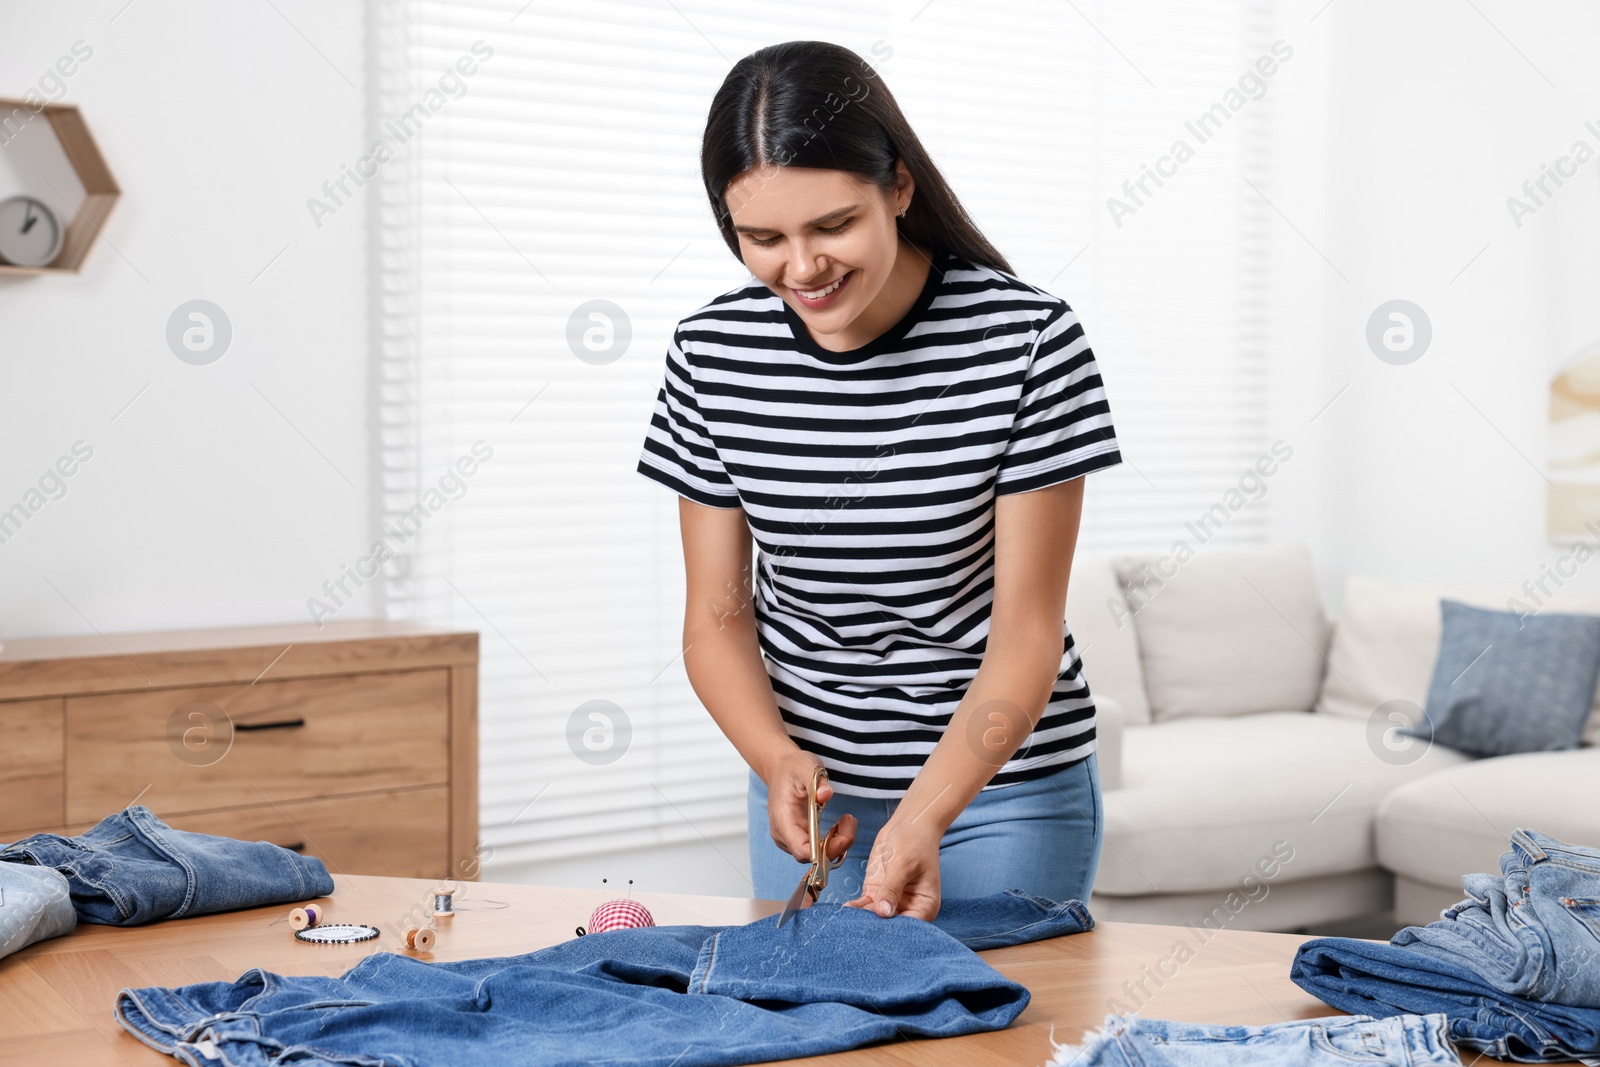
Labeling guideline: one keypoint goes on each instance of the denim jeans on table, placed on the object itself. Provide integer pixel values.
(132, 868)
(1515, 966)
(35, 903)
(1131, 1041)
(1042, 837)
(833, 978)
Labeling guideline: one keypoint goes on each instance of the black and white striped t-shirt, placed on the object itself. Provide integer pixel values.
(868, 479)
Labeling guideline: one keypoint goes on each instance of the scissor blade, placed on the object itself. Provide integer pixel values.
(794, 900)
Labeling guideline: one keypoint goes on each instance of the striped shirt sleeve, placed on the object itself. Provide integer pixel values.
(678, 450)
(1062, 428)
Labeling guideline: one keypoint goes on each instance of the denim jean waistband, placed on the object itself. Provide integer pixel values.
(1531, 847)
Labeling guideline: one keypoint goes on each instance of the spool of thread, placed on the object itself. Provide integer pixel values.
(418, 938)
(310, 915)
(444, 903)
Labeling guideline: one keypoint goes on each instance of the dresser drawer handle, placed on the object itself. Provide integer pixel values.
(284, 725)
(298, 846)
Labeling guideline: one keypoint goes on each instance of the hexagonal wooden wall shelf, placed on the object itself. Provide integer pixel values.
(50, 156)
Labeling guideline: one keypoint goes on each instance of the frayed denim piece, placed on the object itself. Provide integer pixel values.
(1130, 1041)
(834, 978)
(1515, 966)
(132, 868)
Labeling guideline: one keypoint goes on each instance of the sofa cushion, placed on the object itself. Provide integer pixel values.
(1507, 683)
(1102, 629)
(1386, 642)
(1227, 631)
(1110, 721)
(1204, 799)
(1459, 821)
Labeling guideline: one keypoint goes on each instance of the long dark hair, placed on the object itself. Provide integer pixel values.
(818, 104)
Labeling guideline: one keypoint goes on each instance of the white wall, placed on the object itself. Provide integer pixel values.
(1297, 322)
(201, 504)
(1428, 472)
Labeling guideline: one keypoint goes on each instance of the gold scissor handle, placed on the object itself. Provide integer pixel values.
(817, 876)
(814, 813)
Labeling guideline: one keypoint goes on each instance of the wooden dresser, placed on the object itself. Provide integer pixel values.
(356, 742)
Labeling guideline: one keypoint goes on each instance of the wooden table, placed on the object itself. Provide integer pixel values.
(56, 997)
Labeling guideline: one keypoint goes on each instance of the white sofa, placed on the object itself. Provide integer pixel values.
(1251, 775)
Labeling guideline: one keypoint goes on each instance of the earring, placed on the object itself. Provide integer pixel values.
(904, 210)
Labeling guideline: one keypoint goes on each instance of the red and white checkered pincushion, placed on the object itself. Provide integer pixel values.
(619, 915)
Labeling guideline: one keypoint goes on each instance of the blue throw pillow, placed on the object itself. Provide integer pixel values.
(1506, 683)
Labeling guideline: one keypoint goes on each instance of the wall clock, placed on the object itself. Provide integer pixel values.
(30, 233)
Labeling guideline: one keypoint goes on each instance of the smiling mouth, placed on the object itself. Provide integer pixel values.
(816, 296)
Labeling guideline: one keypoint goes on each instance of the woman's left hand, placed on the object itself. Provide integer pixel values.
(902, 873)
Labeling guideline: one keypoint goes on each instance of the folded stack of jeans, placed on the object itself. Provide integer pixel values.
(1515, 966)
(132, 868)
(1130, 1041)
(833, 978)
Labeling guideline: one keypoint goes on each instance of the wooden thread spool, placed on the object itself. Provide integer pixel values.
(310, 915)
(419, 938)
(444, 903)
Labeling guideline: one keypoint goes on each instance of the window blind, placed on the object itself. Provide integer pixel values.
(563, 169)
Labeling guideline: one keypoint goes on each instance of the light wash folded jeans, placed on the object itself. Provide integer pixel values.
(35, 903)
(1515, 966)
(833, 978)
(1531, 931)
(1130, 1041)
(132, 868)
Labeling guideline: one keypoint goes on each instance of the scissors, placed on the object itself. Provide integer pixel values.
(815, 879)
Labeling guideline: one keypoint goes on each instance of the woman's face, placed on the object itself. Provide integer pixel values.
(804, 230)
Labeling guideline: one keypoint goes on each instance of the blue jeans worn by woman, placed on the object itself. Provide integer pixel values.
(1042, 837)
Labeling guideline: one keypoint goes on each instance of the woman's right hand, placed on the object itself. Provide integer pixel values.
(789, 807)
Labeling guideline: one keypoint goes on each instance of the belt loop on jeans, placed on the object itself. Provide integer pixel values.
(1521, 842)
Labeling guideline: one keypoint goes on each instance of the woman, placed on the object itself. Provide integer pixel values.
(903, 426)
